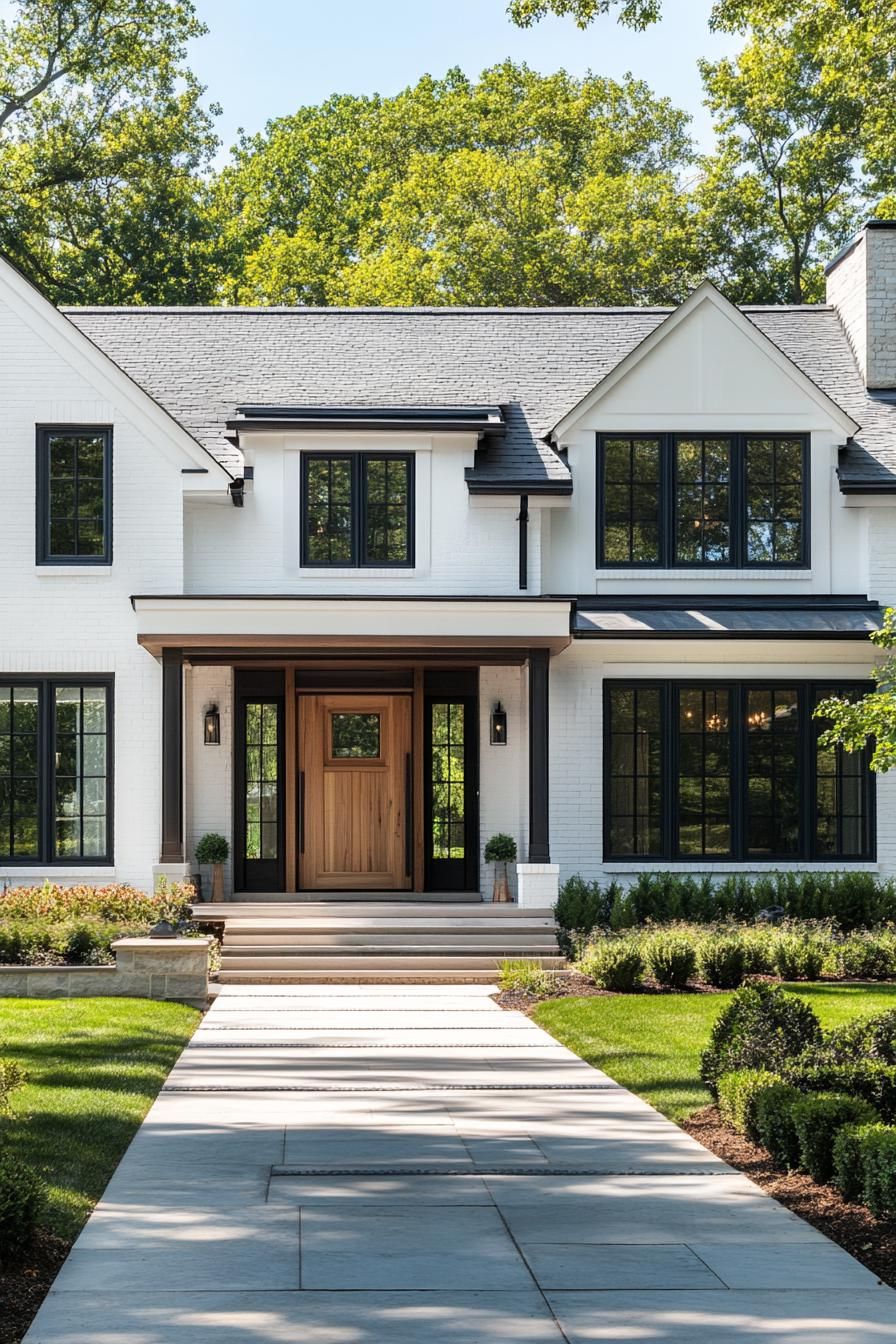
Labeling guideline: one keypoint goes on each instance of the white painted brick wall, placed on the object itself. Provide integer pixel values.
(209, 773)
(862, 286)
(503, 771)
(59, 622)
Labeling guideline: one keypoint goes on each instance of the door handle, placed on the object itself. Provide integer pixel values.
(408, 817)
(301, 811)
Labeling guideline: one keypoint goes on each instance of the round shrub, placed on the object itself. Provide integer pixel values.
(762, 1027)
(722, 961)
(738, 1093)
(614, 963)
(21, 1198)
(864, 956)
(799, 956)
(671, 959)
(212, 848)
(773, 1118)
(522, 975)
(817, 1120)
(868, 1079)
(759, 950)
(848, 1160)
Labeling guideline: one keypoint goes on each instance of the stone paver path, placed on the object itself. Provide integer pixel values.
(411, 1165)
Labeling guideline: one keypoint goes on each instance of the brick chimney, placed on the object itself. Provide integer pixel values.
(861, 285)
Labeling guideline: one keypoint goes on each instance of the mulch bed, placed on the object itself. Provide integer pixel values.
(871, 1240)
(24, 1286)
(573, 985)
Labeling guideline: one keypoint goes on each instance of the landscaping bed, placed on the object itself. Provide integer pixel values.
(92, 1070)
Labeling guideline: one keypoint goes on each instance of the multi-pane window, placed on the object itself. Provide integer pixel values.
(262, 779)
(702, 501)
(55, 771)
(631, 492)
(74, 482)
(448, 796)
(694, 500)
(635, 754)
(357, 509)
(729, 770)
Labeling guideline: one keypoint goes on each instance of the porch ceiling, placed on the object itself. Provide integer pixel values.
(271, 626)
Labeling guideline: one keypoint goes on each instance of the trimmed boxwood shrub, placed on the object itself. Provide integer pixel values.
(870, 1080)
(613, 963)
(849, 1160)
(723, 961)
(773, 1113)
(878, 1161)
(799, 956)
(817, 1120)
(864, 956)
(762, 1027)
(21, 1199)
(738, 1093)
(671, 959)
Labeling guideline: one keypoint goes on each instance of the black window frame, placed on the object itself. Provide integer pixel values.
(737, 505)
(809, 693)
(44, 434)
(359, 509)
(46, 685)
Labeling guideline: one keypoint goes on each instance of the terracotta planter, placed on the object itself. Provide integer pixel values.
(217, 881)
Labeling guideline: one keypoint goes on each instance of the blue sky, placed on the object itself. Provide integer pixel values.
(264, 58)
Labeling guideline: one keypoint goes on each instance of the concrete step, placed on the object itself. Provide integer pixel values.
(360, 976)
(285, 912)
(379, 959)
(487, 937)
(382, 948)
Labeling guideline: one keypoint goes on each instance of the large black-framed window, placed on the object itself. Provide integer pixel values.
(74, 495)
(56, 766)
(668, 501)
(358, 510)
(725, 770)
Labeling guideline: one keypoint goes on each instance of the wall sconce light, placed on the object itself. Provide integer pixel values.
(212, 727)
(499, 726)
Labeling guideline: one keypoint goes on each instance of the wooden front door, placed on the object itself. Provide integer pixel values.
(354, 787)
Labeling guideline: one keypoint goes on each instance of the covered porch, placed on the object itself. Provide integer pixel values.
(356, 750)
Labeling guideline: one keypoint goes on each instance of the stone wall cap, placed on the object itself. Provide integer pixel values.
(165, 944)
(61, 969)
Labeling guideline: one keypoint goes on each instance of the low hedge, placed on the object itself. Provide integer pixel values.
(738, 1094)
(773, 1119)
(877, 1155)
(817, 1119)
(855, 900)
(870, 1080)
(848, 1160)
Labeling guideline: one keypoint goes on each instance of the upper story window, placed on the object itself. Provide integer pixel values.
(681, 500)
(358, 509)
(74, 496)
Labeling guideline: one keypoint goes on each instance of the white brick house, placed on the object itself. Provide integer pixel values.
(425, 575)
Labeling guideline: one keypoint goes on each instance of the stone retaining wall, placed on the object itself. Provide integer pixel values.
(145, 968)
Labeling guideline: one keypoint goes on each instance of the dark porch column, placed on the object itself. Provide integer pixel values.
(172, 756)
(539, 830)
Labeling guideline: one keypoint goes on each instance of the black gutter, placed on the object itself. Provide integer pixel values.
(516, 486)
(868, 487)
(523, 520)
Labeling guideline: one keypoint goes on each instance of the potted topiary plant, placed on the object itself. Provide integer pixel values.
(213, 849)
(500, 851)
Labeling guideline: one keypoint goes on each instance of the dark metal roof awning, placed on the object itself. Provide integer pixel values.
(833, 617)
(486, 421)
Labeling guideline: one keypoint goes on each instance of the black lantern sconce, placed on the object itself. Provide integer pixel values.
(212, 736)
(499, 726)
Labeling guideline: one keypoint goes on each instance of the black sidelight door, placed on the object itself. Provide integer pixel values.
(451, 768)
(259, 849)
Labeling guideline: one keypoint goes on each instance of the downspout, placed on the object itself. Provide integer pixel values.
(523, 520)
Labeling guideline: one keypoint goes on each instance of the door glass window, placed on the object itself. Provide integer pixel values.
(262, 780)
(448, 838)
(355, 736)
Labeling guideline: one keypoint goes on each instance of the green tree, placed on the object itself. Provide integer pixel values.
(103, 147)
(872, 718)
(633, 13)
(516, 188)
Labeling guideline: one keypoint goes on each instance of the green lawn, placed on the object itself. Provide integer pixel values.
(652, 1043)
(94, 1067)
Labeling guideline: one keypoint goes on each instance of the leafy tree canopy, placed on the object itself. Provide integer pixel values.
(872, 719)
(516, 188)
(103, 141)
(633, 13)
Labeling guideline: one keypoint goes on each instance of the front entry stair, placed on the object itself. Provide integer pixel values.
(390, 943)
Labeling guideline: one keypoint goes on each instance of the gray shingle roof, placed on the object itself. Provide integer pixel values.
(201, 363)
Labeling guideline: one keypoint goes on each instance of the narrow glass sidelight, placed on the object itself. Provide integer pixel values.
(262, 767)
(448, 838)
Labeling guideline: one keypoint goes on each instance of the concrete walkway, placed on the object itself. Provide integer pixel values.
(411, 1165)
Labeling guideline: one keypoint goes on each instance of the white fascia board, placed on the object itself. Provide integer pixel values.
(56, 329)
(284, 617)
(705, 293)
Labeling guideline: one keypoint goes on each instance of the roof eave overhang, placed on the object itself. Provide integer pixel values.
(486, 422)
(519, 486)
